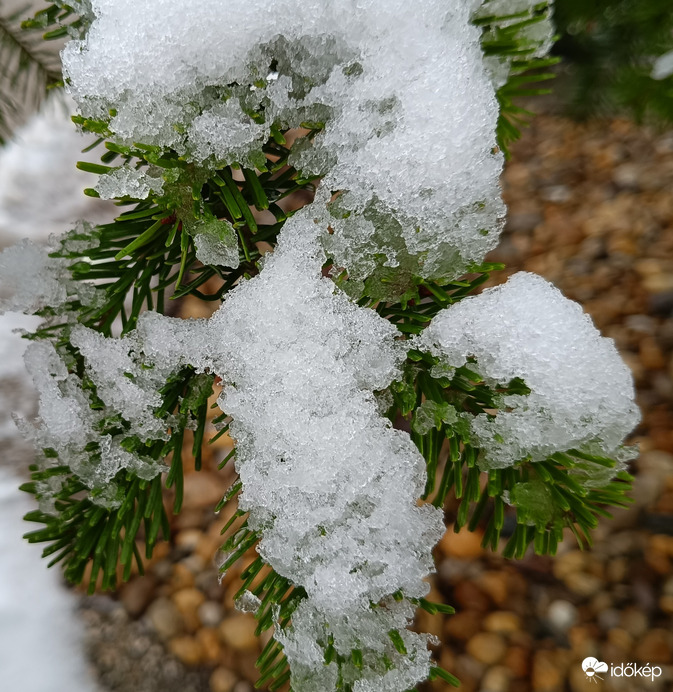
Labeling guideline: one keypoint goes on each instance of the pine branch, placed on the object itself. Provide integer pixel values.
(547, 495)
(28, 70)
(505, 37)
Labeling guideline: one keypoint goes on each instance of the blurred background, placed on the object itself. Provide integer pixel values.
(590, 194)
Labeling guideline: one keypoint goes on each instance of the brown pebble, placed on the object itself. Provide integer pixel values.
(547, 677)
(651, 356)
(620, 639)
(465, 545)
(188, 539)
(496, 679)
(517, 660)
(583, 584)
(655, 647)
(469, 595)
(187, 602)
(666, 604)
(165, 618)
(203, 490)
(582, 641)
(502, 621)
(486, 647)
(187, 649)
(137, 594)
(210, 642)
(496, 585)
(222, 680)
(238, 632)
(634, 621)
(181, 577)
(568, 563)
(463, 625)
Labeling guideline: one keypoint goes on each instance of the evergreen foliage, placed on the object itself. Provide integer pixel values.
(28, 68)
(610, 46)
(146, 257)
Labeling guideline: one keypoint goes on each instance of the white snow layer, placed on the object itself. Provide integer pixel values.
(40, 192)
(40, 640)
(40, 187)
(415, 160)
(663, 66)
(327, 480)
(582, 393)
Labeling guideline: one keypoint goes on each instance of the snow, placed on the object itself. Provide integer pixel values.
(417, 168)
(216, 242)
(40, 187)
(40, 193)
(329, 483)
(582, 392)
(54, 288)
(69, 425)
(125, 181)
(539, 35)
(40, 640)
(663, 66)
(405, 116)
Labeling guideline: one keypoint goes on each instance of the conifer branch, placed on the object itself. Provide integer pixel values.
(28, 70)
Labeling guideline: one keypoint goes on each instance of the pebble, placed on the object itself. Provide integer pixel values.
(186, 649)
(495, 584)
(496, 679)
(517, 661)
(210, 643)
(583, 641)
(137, 594)
(238, 632)
(655, 647)
(583, 584)
(222, 680)
(188, 601)
(502, 621)
(463, 625)
(546, 675)
(486, 647)
(620, 639)
(468, 595)
(165, 618)
(465, 545)
(210, 613)
(203, 490)
(561, 615)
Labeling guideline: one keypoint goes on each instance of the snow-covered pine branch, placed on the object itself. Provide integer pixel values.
(395, 112)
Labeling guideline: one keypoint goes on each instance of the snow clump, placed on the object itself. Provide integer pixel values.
(416, 167)
(582, 392)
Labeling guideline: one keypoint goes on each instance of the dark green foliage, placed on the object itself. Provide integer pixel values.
(526, 71)
(610, 46)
